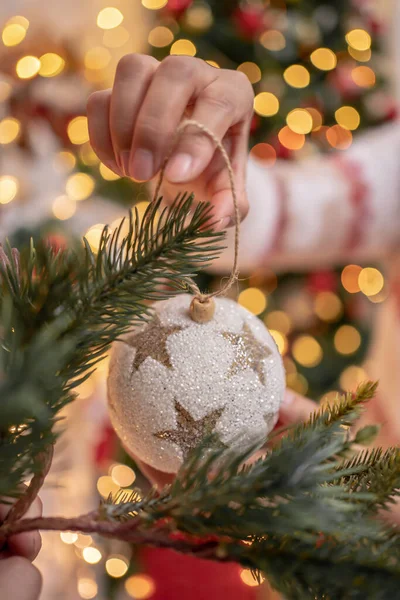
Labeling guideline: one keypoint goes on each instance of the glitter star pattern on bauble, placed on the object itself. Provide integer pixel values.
(173, 381)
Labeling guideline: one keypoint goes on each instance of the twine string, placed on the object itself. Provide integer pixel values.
(235, 271)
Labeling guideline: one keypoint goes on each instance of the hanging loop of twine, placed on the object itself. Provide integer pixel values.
(205, 298)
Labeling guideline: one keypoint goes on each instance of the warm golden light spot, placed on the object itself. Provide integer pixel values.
(109, 18)
(279, 320)
(87, 588)
(347, 340)
(363, 77)
(8, 188)
(251, 70)
(116, 566)
(160, 36)
(307, 351)
(297, 76)
(88, 155)
(19, 20)
(13, 34)
(300, 121)
(123, 475)
(9, 130)
(289, 365)
(78, 131)
(94, 235)
(107, 174)
(154, 4)
(254, 300)
(248, 579)
(5, 90)
(85, 389)
(265, 153)
(359, 39)
(291, 140)
(79, 186)
(64, 161)
(349, 278)
(371, 281)
(141, 208)
(51, 64)
(273, 40)
(97, 58)
(64, 208)
(339, 138)
(27, 67)
(317, 118)
(381, 297)
(351, 378)
(115, 38)
(212, 63)
(360, 55)
(83, 540)
(183, 47)
(91, 555)
(105, 484)
(348, 118)
(68, 537)
(140, 587)
(198, 18)
(324, 59)
(266, 104)
(280, 340)
(297, 382)
(328, 306)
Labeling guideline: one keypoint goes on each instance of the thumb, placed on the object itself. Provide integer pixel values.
(295, 408)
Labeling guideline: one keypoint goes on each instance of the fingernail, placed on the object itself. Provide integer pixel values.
(224, 224)
(288, 399)
(179, 168)
(125, 162)
(142, 165)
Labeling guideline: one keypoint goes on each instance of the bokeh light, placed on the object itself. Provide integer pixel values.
(97, 58)
(64, 161)
(78, 131)
(115, 38)
(317, 118)
(251, 70)
(347, 340)
(88, 155)
(154, 4)
(359, 39)
(363, 77)
(297, 76)
(264, 153)
(253, 299)
(9, 130)
(87, 588)
(266, 104)
(116, 566)
(339, 138)
(348, 118)
(79, 186)
(328, 306)
(107, 173)
(183, 47)
(248, 579)
(51, 64)
(160, 36)
(349, 278)
(297, 382)
(85, 389)
(123, 475)
(105, 484)
(291, 140)
(280, 340)
(109, 18)
(360, 55)
(273, 40)
(214, 64)
(140, 587)
(5, 90)
(371, 281)
(351, 378)
(324, 59)
(68, 537)
(20, 20)
(279, 320)
(13, 34)
(91, 555)
(27, 67)
(63, 208)
(307, 351)
(198, 17)
(83, 540)
(8, 188)
(300, 121)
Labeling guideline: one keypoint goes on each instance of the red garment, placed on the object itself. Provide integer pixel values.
(180, 577)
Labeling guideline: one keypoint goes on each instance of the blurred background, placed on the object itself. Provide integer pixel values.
(318, 246)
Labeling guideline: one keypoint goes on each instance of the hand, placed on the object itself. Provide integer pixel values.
(19, 579)
(131, 126)
(294, 409)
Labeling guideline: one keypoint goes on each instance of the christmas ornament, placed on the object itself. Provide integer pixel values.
(174, 381)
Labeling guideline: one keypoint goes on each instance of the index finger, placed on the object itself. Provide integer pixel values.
(295, 408)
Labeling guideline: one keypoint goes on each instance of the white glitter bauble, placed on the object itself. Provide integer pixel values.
(173, 381)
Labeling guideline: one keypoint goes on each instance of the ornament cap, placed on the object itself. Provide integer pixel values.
(202, 311)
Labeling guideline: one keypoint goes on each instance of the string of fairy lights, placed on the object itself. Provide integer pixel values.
(301, 125)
